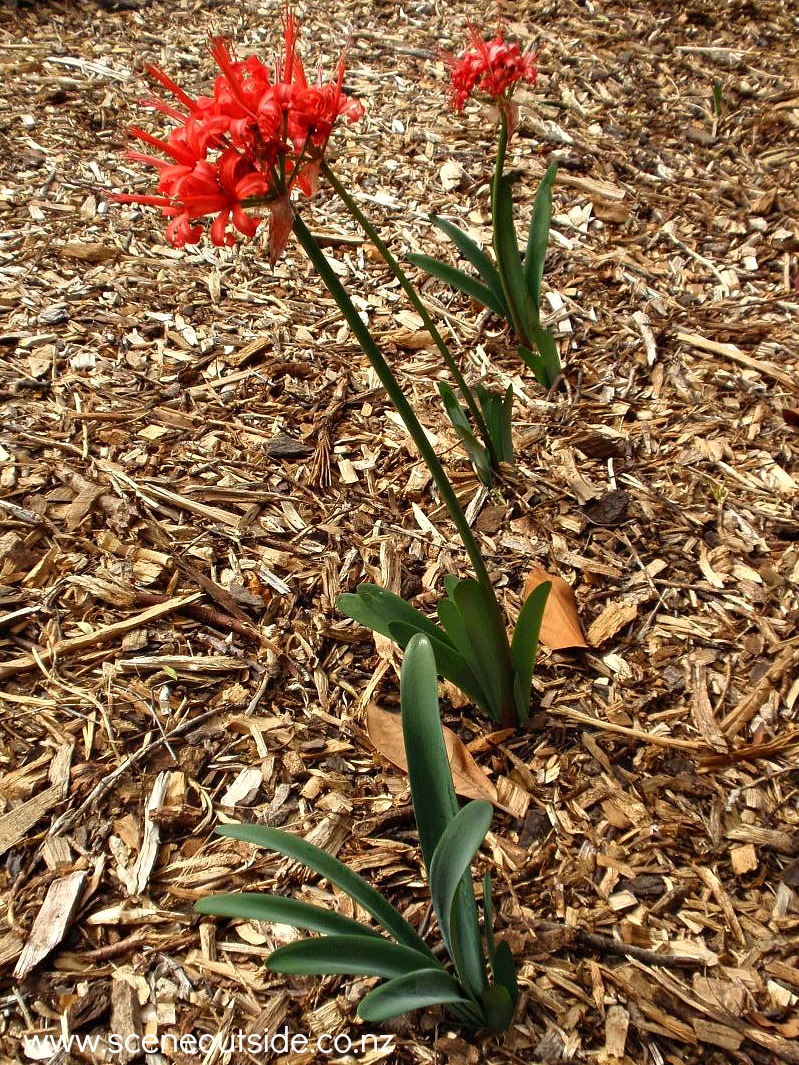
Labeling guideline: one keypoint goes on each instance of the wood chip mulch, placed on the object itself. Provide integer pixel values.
(195, 460)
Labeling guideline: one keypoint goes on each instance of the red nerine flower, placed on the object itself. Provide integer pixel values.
(492, 68)
(248, 144)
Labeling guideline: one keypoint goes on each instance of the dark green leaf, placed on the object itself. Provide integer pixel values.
(500, 958)
(456, 413)
(450, 618)
(472, 251)
(276, 908)
(509, 261)
(498, 1007)
(449, 662)
(488, 921)
(532, 360)
(347, 955)
(434, 802)
(377, 608)
(490, 655)
(478, 455)
(550, 359)
(506, 448)
(451, 582)
(481, 671)
(524, 646)
(538, 236)
(504, 970)
(335, 871)
(498, 414)
(418, 990)
(457, 279)
(452, 893)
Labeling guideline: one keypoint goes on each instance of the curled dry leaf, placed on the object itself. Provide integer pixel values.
(385, 732)
(561, 624)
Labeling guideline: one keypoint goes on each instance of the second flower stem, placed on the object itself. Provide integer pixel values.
(495, 617)
(397, 397)
(415, 299)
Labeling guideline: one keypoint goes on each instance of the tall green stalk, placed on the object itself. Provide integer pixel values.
(495, 620)
(413, 296)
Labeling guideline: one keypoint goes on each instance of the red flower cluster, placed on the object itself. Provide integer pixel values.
(493, 68)
(248, 144)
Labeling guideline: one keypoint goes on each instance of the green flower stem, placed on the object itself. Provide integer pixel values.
(502, 147)
(426, 450)
(413, 296)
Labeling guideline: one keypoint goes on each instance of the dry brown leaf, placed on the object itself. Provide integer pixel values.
(561, 624)
(385, 732)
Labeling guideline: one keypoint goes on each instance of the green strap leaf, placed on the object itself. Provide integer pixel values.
(506, 447)
(254, 906)
(434, 802)
(347, 955)
(488, 922)
(498, 1008)
(509, 261)
(504, 970)
(336, 872)
(418, 990)
(450, 618)
(465, 283)
(498, 414)
(377, 608)
(532, 360)
(524, 646)
(478, 455)
(472, 251)
(481, 671)
(449, 663)
(499, 1000)
(538, 236)
(488, 654)
(453, 896)
(455, 412)
(451, 582)
(548, 350)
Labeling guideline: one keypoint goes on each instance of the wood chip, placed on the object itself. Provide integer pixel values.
(148, 851)
(612, 620)
(52, 921)
(743, 859)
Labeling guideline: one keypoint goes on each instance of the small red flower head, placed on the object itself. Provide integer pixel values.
(491, 68)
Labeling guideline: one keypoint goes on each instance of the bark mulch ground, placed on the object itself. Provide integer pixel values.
(195, 460)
